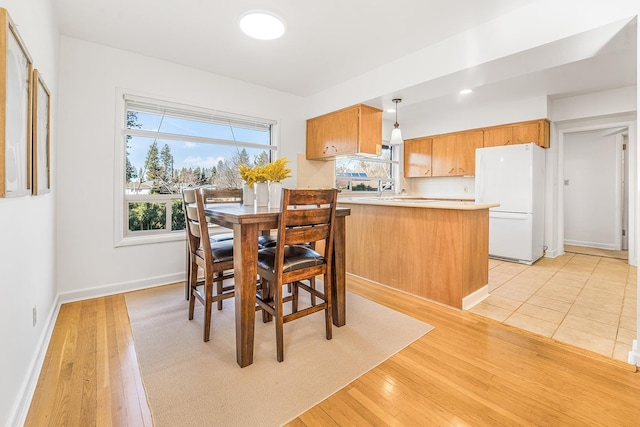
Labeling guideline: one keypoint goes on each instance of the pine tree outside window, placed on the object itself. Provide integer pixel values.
(166, 147)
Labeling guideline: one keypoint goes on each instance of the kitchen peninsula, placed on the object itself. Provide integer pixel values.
(436, 249)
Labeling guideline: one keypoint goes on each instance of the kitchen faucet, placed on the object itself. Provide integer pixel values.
(383, 187)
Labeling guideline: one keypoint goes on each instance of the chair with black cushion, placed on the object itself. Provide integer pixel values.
(307, 217)
(215, 258)
(211, 196)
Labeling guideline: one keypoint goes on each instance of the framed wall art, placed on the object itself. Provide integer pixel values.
(16, 68)
(41, 178)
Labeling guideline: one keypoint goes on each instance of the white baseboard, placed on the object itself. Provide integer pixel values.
(634, 354)
(553, 253)
(475, 297)
(117, 288)
(21, 409)
(608, 246)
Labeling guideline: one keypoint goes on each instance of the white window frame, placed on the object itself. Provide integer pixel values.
(121, 218)
(395, 171)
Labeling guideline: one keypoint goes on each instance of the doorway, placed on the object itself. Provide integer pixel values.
(595, 193)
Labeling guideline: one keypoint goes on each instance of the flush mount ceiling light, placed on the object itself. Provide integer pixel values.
(465, 91)
(396, 134)
(261, 25)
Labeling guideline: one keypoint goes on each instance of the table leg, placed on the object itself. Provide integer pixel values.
(338, 292)
(245, 260)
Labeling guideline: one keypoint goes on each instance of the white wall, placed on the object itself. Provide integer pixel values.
(90, 76)
(27, 227)
(599, 104)
(576, 114)
(488, 42)
(592, 203)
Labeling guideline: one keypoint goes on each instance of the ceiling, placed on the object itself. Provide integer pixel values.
(328, 42)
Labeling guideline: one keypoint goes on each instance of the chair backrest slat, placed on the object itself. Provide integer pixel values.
(194, 200)
(190, 213)
(224, 195)
(311, 197)
(307, 216)
(189, 195)
(297, 236)
(296, 217)
(204, 227)
(194, 228)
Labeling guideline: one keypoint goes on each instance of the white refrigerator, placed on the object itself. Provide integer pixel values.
(513, 175)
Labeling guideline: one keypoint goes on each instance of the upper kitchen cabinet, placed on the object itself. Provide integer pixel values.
(536, 131)
(444, 155)
(454, 154)
(417, 157)
(352, 130)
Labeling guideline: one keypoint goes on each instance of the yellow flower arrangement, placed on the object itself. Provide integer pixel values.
(261, 173)
(248, 175)
(253, 175)
(274, 172)
(277, 171)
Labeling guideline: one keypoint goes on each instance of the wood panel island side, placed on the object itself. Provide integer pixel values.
(435, 249)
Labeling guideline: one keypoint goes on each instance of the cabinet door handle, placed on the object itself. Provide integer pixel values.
(427, 172)
(333, 147)
(461, 170)
(451, 171)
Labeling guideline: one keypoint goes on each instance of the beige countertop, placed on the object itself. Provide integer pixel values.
(416, 202)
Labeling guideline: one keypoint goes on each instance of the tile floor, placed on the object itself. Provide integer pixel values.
(584, 300)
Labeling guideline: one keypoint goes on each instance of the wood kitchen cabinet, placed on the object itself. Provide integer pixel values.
(536, 131)
(454, 154)
(439, 254)
(417, 157)
(352, 130)
(443, 155)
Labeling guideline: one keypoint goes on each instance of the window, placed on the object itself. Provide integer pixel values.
(166, 147)
(367, 173)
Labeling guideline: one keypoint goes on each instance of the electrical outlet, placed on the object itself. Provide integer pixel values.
(466, 188)
(35, 315)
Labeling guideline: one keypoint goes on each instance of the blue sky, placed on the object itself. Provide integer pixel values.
(189, 154)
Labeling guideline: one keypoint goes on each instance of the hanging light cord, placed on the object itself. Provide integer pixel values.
(396, 125)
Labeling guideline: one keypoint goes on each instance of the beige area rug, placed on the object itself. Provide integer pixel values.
(192, 383)
(596, 251)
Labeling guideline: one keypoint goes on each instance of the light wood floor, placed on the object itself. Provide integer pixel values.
(469, 371)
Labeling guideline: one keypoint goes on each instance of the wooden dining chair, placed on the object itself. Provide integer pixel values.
(214, 257)
(307, 216)
(211, 196)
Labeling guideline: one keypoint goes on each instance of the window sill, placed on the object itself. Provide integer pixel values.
(150, 239)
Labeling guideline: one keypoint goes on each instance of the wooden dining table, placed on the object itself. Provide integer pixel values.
(247, 222)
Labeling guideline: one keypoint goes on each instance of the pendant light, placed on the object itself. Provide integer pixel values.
(396, 134)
